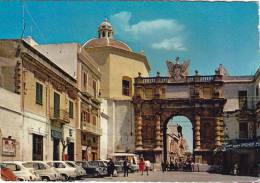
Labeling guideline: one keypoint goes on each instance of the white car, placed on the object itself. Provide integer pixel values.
(80, 171)
(21, 172)
(45, 172)
(65, 170)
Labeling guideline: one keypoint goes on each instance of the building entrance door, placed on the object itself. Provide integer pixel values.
(56, 152)
(71, 152)
(37, 147)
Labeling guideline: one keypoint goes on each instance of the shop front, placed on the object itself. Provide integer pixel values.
(245, 155)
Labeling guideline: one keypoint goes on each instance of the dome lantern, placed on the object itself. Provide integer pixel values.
(105, 30)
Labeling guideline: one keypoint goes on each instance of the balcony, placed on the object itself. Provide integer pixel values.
(90, 128)
(61, 116)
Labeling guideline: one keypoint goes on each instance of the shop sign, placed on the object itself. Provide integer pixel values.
(8, 147)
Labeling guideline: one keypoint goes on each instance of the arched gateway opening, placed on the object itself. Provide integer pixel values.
(179, 139)
(199, 98)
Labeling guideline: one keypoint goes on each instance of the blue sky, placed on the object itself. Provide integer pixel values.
(205, 33)
(208, 34)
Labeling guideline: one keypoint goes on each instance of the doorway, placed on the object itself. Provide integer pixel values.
(56, 149)
(71, 152)
(37, 153)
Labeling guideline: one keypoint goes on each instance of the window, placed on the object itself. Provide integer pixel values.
(103, 34)
(125, 84)
(85, 79)
(38, 93)
(243, 130)
(242, 97)
(257, 90)
(56, 105)
(95, 88)
(70, 109)
(94, 120)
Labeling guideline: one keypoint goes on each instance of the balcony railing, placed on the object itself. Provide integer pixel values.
(188, 79)
(59, 115)
(88, 127)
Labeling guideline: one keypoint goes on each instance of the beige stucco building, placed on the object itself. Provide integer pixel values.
(74, 60)
(119, 65)
(44, 97)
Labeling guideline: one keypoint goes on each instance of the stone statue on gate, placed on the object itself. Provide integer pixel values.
(179, 130)
(177, 71)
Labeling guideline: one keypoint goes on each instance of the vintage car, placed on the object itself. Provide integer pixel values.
(79, 170)
(6, 174)
(45, 172)
(21, 172)
(92, 171)
(66, 171)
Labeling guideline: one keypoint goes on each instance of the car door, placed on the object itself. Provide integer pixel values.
(18, 172)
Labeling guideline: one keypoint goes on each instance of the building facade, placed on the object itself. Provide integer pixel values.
(47, 99)
(119, 66)
(73, 59)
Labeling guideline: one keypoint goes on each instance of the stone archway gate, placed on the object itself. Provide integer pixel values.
(157, 99)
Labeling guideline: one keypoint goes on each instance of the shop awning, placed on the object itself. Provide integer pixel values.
(243, 145)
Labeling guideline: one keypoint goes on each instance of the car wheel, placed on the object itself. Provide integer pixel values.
(65, 177)
(45, 179)
(96, 174)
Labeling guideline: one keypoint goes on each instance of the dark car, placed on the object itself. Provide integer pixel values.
(100, 164)
(119, 166)
(90, 170)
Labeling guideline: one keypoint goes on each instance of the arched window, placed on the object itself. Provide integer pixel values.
(103, 34)
(126, 86)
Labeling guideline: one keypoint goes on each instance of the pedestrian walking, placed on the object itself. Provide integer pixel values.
(141, 165)
(110, 167)
(126, 167)
(147, 166)
(163, 166)
(235, 170)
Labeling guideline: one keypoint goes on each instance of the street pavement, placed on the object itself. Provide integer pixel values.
(175, 177)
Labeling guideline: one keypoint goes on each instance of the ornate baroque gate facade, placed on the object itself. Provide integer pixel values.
(158, 99)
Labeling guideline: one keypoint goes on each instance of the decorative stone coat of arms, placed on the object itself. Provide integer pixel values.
(176, 70)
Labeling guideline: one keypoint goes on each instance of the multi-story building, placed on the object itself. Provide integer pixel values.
(119, 65)
(241, 124)
(78, 64)
(41, 105)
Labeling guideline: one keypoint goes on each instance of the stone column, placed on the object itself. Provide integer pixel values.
(197, 132)
(158, 132)
(218, 125)
(138, 133)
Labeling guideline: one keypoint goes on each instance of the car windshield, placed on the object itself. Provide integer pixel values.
(71, 164)
(29, 165)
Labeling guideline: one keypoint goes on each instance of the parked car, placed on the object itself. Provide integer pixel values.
(45, 172)
(91, 170)
(133, 167)
(102, 164)
(79, 170)
(6, 174)
(119, 166)
(21, 172)
(65, 170)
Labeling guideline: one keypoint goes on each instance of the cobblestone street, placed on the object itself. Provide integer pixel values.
(176, 177)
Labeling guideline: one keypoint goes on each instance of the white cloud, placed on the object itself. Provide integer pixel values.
(170, 44)
(157, 34)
